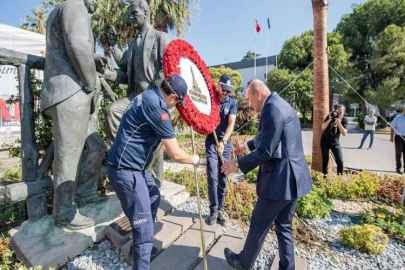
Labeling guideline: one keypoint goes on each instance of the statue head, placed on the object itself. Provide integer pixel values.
(139, 14)
(91, 5)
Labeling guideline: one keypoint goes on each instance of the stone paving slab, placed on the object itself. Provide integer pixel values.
(41, 243)
(216, 258)
(167, 230)
(120, 231)
(300, 264)
(183, 253)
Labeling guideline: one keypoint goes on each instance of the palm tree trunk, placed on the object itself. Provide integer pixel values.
(321, 79)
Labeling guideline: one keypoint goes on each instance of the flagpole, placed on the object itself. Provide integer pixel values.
(255, 54)
(267, 52)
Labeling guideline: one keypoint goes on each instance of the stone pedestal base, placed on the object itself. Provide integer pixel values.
(41, 243)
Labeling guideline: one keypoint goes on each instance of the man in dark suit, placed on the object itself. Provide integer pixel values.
(70, 81)
(282, 179)
(141, 67)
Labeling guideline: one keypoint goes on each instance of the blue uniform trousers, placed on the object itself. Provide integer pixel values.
(216, 179)
(140, 200)
(265, 213)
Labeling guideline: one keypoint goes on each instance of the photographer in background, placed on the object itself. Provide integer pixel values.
(334, 125)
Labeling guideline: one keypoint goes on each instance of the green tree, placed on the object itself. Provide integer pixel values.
(36, 22)
(360, 30)
(295, 57)
(216, 74)
(245, 113)
(250, 56)
(388, 64)
(300, 92)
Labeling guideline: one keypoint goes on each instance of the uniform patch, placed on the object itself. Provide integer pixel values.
(226, 111)
(164, 117)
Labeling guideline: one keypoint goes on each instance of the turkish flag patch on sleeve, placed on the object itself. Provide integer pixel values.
(164, 117)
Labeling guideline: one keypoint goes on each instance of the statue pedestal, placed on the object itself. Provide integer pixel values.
(41, 243)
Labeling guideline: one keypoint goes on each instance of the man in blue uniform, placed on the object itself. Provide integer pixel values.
(145, 123)
(282, 179)
(216, 179)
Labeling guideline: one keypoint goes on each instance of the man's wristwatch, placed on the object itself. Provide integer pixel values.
(224, 142)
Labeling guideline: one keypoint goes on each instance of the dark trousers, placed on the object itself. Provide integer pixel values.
(140, 199)
(265, 213)
(337, 153)
(216, 179)
(399, 150)
(365, 135)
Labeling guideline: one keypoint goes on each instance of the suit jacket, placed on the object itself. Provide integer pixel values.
(277, 149)
(69, 61)
(155, 43)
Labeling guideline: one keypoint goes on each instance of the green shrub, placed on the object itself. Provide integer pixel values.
(360, 119)
(363, 185)
(252, 175)
(13, 174)
(246, 198)
(308, 158)
(6, 255)
(393, 223)
(391, 188)
(245, 194)
(186, 178)
(366, 238)
(314, 205)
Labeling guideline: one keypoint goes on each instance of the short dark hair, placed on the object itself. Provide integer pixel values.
(167, 88)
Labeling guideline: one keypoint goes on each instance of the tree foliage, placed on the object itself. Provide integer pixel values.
(250, 56)
(295, 57)
(361, 33)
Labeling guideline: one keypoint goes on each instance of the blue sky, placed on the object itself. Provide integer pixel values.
(223, 30)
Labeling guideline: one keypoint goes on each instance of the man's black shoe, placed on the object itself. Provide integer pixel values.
(221, 218)
(212, 218)
(233, 260)
(399, 172)
(154, 252)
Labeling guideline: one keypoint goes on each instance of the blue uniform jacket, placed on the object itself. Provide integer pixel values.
(277, 149)
(145, 122)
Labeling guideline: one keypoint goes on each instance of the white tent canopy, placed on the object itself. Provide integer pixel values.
(23, 41)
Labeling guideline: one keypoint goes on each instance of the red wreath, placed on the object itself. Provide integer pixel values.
(202, 123)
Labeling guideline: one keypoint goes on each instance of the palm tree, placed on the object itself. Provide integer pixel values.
(321, 78)
(172, 15)
(111, 13)
(36, 22)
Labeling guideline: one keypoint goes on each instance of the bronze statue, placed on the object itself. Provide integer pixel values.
(68, 97)
(141, 66)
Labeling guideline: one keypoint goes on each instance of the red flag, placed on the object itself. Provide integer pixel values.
(257, 26)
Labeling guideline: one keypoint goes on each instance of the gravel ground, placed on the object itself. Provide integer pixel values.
(104, 257)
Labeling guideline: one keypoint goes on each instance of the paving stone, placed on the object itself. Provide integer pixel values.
(216, 258)
(300, 264)
(167, 230)
(184, 252)
(120, 231)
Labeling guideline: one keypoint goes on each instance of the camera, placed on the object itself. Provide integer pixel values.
(335, 113)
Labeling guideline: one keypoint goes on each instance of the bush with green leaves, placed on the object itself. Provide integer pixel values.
(391, 189)
(252, 175)
(366, 238)
(12, 175)
(363, 185)
(392, 222)
(314, 205)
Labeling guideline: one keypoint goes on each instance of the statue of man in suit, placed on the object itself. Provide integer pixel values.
(67, 97)
(141, 66)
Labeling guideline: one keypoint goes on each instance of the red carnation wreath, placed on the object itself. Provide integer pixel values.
(201, 122)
